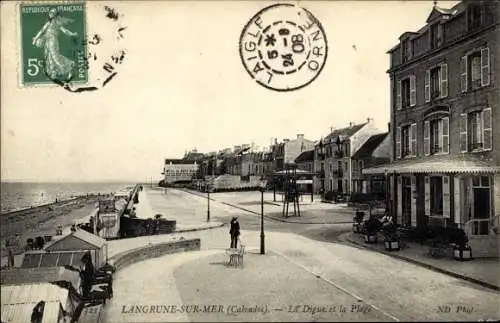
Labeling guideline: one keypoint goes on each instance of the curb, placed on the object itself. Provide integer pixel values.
(200, 229)
(267, 216)
(422, 264)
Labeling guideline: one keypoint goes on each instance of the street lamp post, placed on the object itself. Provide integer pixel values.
(262, 240)
(208, 203)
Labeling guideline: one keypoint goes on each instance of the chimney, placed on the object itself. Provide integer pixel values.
(368, 119)
(350, 124)
(331, 129)
(300, 136)
(275, 141)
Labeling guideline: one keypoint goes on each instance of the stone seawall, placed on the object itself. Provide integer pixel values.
(143, 253)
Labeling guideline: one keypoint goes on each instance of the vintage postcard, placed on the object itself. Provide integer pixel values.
(250, 161)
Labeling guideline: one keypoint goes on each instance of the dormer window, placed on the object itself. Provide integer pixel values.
(474, 14)
(406, 50)
(436, 35)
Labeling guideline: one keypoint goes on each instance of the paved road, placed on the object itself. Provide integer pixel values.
(298, 271)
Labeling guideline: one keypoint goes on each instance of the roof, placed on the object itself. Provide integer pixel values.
(33, 293)
(179, 161)
(367, 149)
(192, 156)
(344, 132)
(35, 259)
(30, 276)
(83, 236)
(435, 12)
(442, 164)
(305, 156)
(22, 312)
(297, 171)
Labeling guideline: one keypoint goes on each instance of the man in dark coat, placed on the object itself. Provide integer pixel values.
(234, 231)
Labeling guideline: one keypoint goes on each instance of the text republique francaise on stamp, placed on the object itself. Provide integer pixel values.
(283, 47)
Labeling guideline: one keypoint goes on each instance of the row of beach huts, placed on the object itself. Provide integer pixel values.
(70, 278)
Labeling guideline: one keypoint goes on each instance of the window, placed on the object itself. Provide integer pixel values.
(476, 131)
(436, 33)
(406, 141)
(406, 50)
(360, 163)
(481, 205)
(474, 16)
(331, 167)
(436, 195)
(436, 136)
(475, 70)
(436, 82)
(322, 167)
(339, 165)
(406, 95)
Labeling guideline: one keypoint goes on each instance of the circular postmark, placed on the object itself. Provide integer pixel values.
(283, 47)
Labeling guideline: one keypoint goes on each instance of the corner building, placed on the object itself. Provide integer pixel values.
(444, 168)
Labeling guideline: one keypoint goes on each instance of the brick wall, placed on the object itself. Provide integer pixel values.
(143, 253)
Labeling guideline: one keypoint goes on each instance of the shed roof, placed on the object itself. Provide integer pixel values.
(305, 156)
(33, 293)
(58, 258)
(27, 276)
(343, 132)
(367, 149)
(22, 312)
(86, 237)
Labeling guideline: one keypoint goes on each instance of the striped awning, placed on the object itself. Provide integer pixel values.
(437, 166)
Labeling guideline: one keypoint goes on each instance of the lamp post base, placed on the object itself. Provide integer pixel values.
(262, 245)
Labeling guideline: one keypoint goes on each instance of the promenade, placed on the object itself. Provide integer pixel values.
(296, 271)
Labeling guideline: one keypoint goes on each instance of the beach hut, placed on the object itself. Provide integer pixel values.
(81, 241)
(49, 293)
(51, 303)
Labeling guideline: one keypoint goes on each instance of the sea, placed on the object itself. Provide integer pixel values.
(17, 196)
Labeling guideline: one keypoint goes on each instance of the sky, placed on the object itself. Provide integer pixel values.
(182, 85)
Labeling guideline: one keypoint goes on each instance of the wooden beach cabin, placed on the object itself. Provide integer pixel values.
(78, 242)
(51, 291)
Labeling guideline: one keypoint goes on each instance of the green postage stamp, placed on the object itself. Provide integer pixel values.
(53, 43)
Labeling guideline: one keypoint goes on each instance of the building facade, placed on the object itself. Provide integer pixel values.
(333, 157)
(287, 151)
(444, 108)
(375, 151)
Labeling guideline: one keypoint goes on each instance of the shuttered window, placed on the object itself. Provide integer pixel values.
(487, 130)
(413, 91)
(444, 80)
(398, 142)
(398, 96)
(463, 133)
(427, 86)
(485, 66)
(427, 143)
(446, 196)
(413, 140)
(446, 136)
(463, 74)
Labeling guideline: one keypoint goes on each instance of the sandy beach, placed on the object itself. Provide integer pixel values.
(43, 220)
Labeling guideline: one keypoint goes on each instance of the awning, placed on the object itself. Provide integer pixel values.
(304, 181)
(434, 166)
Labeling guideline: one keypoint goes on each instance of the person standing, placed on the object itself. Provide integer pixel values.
(234, 231)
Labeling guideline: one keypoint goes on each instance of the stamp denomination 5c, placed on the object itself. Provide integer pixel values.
(283, 47)
(52, 43)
